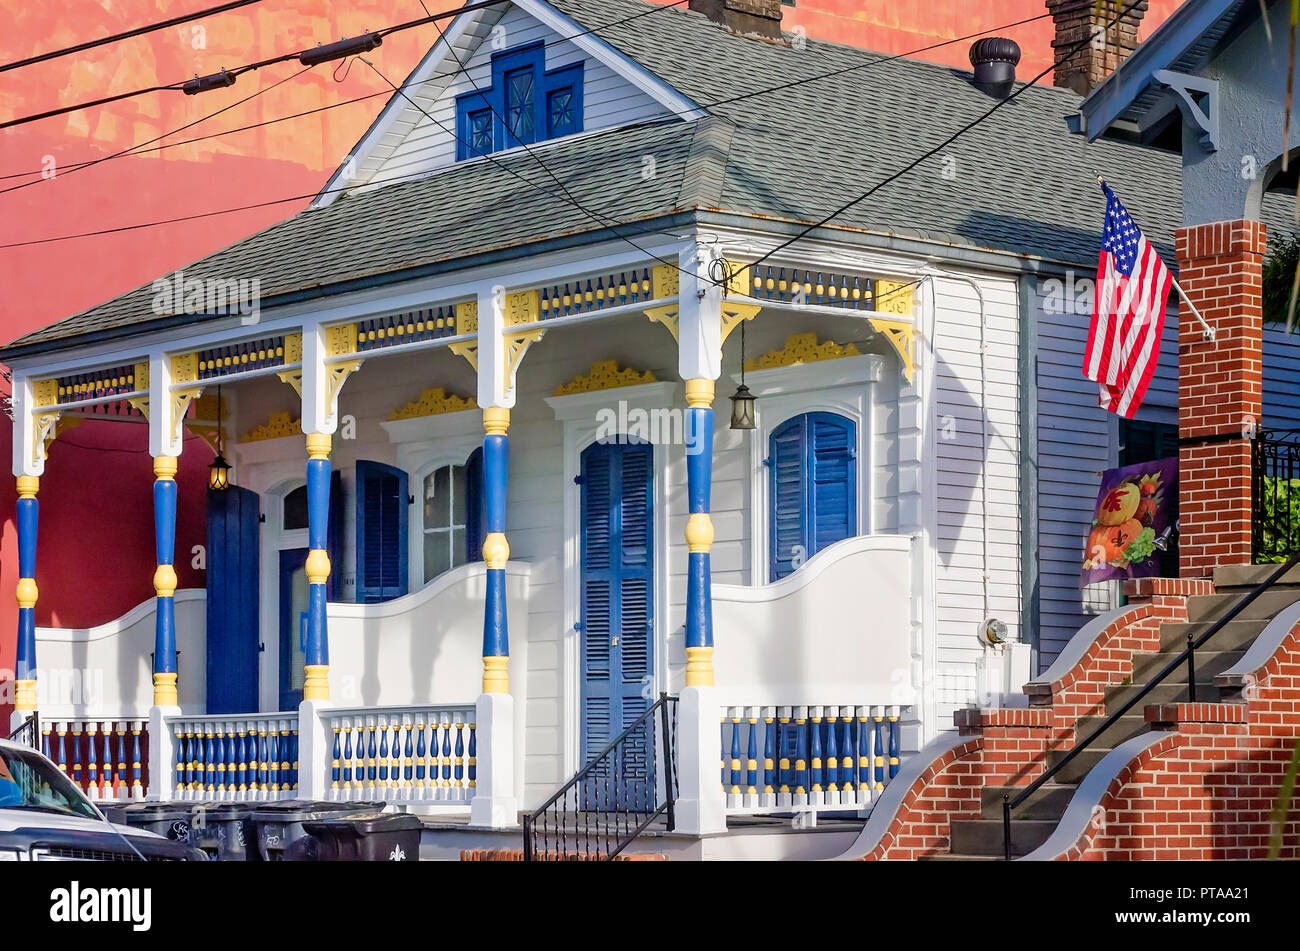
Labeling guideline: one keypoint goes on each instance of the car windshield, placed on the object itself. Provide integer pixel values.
(30, 781)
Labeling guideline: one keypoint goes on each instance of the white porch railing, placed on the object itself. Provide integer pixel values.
(235, 757)
(106, 758)
(817, 758)
(410, 754)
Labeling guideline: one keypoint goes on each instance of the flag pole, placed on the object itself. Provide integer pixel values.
(1205, 326)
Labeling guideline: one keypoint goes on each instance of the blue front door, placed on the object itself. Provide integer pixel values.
(233, 639)
(616, 622)
(293, 609)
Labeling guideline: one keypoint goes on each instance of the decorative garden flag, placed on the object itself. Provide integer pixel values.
(1128, 312)
(1132, 522)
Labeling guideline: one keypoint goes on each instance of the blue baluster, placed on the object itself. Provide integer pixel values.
(419, 751)
(893, 743)
(45, 744)
(473, 756)
(460, 755)
(184, 772)
(408, 749)
(394, 758)
(336, 769)
(815, 737)
(722, 751)
(383, 756)
(783, 728)
(372, 752)
(600, 292)
(263, 767)
(92, 768)
(832, 755)
(781, 285)
(751, 788)
(210, 760)
(292, 736)
(446, 751)
(880, 752)
(801, 777)
(844, 291)
(241, 760)
(864, 751)
(769, 753)
(846, 751)
(137, 780)
(273, 759)
(736, 778)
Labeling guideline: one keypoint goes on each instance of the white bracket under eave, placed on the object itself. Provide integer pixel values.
(1199, 102)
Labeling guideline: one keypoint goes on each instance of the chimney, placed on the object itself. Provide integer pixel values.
(1101, 49)
(752, 17)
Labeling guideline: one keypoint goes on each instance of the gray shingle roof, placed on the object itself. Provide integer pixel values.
(1017, 182)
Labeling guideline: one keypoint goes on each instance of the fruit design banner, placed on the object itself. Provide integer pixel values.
(1132, 522)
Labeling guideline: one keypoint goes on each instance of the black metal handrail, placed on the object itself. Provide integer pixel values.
(28, 732)
(1188, 657)
(611, 800)
(1274, 477)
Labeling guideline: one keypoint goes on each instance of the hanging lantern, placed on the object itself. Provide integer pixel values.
(742, 402)
(219, 470)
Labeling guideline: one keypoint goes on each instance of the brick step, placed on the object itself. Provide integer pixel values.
(1173, 689)
(1208, 663)
(1250, 576)
(1235, 635)
(1078, 767)
(1129, 725)
(1045, 802)
(1210, 607)
(984, 836)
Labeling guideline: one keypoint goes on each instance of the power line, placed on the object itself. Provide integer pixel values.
(117, 37)
(282, 58)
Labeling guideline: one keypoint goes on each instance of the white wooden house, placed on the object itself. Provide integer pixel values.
(558, 234)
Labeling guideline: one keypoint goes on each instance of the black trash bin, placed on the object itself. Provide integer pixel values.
(228, 833)
(172, 820)
(379, 837)
(279, 826)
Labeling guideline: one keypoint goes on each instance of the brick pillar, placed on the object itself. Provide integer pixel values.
(1219, 391)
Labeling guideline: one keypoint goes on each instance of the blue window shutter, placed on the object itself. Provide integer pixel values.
(334, 537)
(382, 514)
(564, 101)
(813, 487)
(597, 608)
(475, 502)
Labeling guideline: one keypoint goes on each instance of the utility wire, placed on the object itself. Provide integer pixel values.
(564, 39)
(117, 37)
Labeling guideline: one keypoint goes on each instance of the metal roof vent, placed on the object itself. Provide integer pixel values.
(995, 59)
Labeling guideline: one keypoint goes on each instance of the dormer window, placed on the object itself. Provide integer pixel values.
(525, 104)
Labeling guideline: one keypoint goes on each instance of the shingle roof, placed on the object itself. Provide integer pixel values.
(1016, 182)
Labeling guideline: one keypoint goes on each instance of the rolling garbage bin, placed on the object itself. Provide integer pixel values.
(279, 825)
(170, 820)
(228, 834)
(378, 837)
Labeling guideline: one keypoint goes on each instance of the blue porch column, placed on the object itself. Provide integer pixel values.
(316, 685)
(25, 662)
(164, 581)
(496, 550)
(699, 535)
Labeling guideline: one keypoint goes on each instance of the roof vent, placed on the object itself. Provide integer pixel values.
(995, 59)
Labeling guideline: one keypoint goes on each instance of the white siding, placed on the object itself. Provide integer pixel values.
(415, 145)
(977, 499)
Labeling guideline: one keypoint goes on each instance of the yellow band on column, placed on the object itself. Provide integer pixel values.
(699, 666)
(699, 533)
(27, 486)
(496, 550)
(699, 393)
(165, 467)
(318, 566)
(316, 685)
(24, 695)
(26, 592)
(495, 677)
(319, 445)
(496, 420)
(164, 690)
(164, 581)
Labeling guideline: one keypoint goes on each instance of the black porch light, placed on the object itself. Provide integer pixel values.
(219, 471)
(742, 401)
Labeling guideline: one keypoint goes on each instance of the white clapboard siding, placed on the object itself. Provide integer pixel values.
(963, 460)
(415, 145)
(1077, 441)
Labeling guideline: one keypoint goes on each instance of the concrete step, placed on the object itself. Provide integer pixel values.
(984, 836)
(1078, 767)
(1249, 576)
(1210, 607)
(1045, 802)
(1208, 663)
(1170, 691)
(1129, 725)
(1235, 635)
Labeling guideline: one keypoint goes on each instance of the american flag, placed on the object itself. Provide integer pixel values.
(1128, 312)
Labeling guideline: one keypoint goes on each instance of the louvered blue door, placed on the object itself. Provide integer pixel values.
(813, 488)
(381, 532)
(233, 640)
(616, 617)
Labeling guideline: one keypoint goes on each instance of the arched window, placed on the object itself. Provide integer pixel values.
(453, 516)
(812, 501)
(295, 509)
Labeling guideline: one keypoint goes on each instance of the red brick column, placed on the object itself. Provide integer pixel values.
(1219, 391)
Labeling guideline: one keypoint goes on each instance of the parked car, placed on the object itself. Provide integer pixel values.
(45, 817)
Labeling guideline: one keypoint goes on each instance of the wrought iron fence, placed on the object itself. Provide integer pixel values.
(615, 797)
(1275, 495)
(28, 733)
